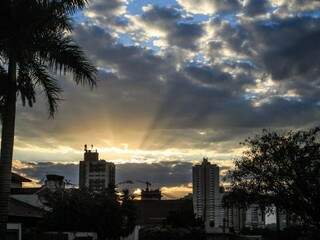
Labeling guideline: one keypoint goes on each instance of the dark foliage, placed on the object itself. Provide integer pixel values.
(168, 233)
(290, 233)
(108, 215)
(184, 217)
(35, 36)
(281, 169)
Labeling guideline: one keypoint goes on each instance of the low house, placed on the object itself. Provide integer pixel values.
(21, 215)
(17, 180)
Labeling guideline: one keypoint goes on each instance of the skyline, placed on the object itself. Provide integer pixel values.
(177, 85)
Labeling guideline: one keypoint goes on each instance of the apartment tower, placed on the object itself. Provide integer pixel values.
(94, 174)
(206, 195)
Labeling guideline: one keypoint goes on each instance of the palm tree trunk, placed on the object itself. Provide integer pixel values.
(7, 141)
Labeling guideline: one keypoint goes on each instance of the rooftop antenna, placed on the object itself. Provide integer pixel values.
(91, 146)
(85, 148)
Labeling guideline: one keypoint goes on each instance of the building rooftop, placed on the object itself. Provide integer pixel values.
(25, 191)
(21, 209)
(18, 178)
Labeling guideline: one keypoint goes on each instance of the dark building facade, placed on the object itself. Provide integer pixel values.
(95, 174)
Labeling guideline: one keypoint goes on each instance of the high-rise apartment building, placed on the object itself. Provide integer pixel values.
(208, 203)
(95, 174)
(206, 195)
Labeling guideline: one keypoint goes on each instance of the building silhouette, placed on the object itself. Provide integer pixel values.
(208, 204)
(95, 174)
(206, 197)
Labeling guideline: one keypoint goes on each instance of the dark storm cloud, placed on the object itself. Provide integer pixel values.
(168, 19)
(107, 13)
(185, 35)
(295, 58)
(159, 174)
(39, 170)
(165, 15)
(257, 7)
(282, 57)
(136, 63)
(142, 89)
(287, 7)
(285, 48)
(136, 84)
(208, 75)
(173, 173)
(217, 78)
(138, 68)
(227, 5)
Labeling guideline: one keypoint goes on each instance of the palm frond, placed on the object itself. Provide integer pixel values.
(3, 80)
(35, 36)
(52, 16)
(25, 86)
(49, 86)
(65, 6)
(3, 77)
(63, 55)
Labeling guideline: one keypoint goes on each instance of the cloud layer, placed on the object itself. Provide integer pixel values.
(179, 80)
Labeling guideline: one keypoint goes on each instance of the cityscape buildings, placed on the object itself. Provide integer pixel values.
(206, 197)
(208, 203)
(95, 174)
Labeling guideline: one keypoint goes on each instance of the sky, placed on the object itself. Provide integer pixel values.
(178, 80)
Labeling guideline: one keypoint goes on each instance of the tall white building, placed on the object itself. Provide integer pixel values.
(206, 195)
(95, 174)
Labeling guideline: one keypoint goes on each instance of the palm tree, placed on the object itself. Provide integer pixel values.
(35, 46)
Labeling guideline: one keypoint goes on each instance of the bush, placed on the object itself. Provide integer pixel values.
(168, 233)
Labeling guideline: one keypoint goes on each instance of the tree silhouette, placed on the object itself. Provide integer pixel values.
(35, 45)
(184, 217)
(281, 169)
(109, 215)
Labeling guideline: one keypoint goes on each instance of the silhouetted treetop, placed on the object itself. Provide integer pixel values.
(281, 169)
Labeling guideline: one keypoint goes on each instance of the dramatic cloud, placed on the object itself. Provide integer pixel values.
(167, 27)
(256, 7)
(107, 12)
(209, 6)
(172, 173)
(173, 177)
(288, 7)
(180, 80)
